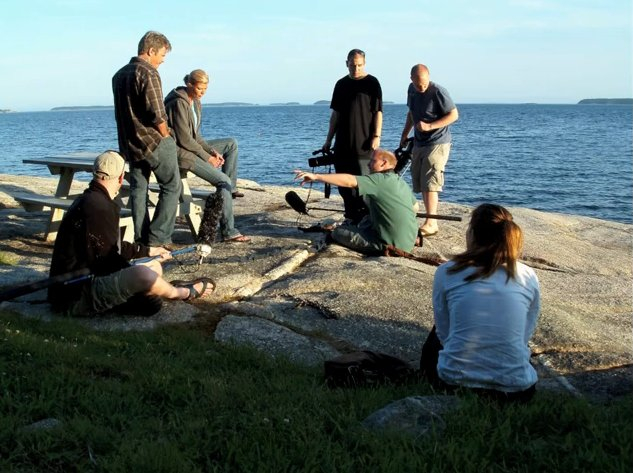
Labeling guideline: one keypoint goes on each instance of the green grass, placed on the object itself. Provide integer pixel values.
(175, 401)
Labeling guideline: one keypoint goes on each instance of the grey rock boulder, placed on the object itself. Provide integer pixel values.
(415, 415)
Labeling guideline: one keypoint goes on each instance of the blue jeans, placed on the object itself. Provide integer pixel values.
(227, 147)
(222, 183)
(362, 237)
(163, 162)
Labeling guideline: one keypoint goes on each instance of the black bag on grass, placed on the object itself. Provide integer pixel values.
(366, 368)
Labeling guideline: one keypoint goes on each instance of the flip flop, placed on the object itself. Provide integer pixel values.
(424, 233)
(193, 293)
(237, 239)
(237, 194)
(419, 240)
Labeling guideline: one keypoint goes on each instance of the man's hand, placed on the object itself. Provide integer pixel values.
(216, 159)
(423, 126)
(304, 176)
(375, 143)
(403, 140)
(327, 146)
(159, 251)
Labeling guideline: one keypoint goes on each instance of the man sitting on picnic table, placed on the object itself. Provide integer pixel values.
(89, 237)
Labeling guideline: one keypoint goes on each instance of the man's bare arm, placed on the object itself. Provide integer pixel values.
(340, 180)
(162, 129)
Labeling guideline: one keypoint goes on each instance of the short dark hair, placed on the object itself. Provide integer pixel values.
(153, 39)
(355, 52)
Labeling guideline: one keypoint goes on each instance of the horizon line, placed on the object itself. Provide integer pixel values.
(317, 103)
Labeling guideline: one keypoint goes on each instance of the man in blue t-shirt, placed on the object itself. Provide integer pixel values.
(391, 220)
(431, 111)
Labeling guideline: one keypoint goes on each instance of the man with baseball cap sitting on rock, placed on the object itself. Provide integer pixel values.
(89, 238)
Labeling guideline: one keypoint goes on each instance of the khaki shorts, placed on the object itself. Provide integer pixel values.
(104, 293)
(427, 167)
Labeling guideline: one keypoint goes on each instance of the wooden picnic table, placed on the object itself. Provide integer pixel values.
(67, 165)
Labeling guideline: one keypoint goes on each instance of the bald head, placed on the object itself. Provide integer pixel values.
(420, 77)
(419, 68)
(382, 160)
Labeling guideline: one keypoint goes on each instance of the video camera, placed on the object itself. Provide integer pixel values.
(326, 158)
(403, 155)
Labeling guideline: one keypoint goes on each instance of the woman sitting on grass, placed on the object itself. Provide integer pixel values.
(485, 306)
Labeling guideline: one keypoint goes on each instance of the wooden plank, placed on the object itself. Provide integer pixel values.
(58, 165)
(74, 162)
(37, 202)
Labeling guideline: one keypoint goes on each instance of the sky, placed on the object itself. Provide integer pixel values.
(64, 52)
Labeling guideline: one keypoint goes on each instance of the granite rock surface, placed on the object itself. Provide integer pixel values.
(289, 294)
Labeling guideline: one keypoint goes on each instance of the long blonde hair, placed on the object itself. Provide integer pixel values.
(494, 241)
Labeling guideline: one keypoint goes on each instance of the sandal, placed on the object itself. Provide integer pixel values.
(237, 239)
(193, 293)
(426, 233)
(419, 240)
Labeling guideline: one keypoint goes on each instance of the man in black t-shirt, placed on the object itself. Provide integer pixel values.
(356, 121)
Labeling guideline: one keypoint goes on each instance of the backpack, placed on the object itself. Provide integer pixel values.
(366, 368)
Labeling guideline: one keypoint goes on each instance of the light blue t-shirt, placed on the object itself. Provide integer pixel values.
(484, 326)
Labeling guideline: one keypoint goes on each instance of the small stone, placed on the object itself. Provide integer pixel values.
(44, 424)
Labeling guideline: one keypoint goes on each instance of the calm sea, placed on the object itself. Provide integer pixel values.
(574, 159)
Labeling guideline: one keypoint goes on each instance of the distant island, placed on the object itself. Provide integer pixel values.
(85, 107)
(5, 110)
(216, 104)
(327, 102)
(229, 104)
(606, 101)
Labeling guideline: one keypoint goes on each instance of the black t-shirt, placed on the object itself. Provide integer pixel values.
(88, 237)
(356, 101)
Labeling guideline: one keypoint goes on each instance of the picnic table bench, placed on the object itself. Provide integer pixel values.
(37, 202)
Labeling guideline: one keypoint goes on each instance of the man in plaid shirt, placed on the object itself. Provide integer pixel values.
(145, 142)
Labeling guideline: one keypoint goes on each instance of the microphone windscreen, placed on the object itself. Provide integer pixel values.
(297, 204)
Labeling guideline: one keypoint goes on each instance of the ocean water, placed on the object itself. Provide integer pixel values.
(574, 159)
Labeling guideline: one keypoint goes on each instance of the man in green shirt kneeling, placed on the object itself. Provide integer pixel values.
(391, 219)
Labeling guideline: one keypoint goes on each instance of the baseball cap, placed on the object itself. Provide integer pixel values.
(108, 165)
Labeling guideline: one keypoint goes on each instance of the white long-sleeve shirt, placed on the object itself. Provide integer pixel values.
(484, 327)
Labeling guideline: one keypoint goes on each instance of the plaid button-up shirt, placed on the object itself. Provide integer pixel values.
(138, 107)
